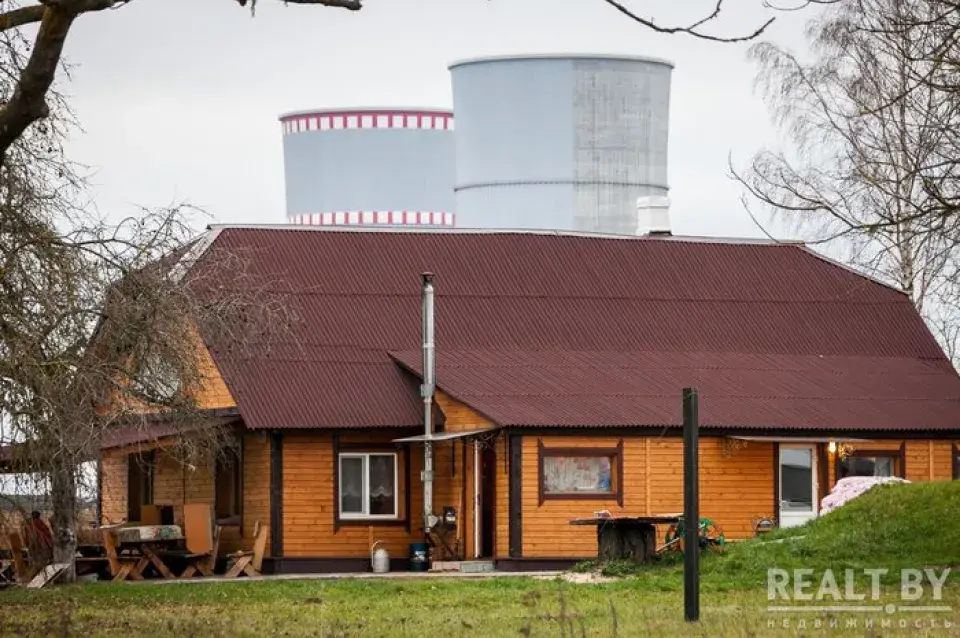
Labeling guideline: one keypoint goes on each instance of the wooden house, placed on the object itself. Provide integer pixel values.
(560, 364)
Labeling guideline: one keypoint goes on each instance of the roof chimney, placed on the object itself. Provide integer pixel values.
(653, 215)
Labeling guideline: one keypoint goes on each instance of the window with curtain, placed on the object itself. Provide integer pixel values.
(579, 473)
(368, 485)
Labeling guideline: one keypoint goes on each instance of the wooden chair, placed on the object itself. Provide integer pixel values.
(121, 567)
(150, 514)
(203, 540)
(251, 563)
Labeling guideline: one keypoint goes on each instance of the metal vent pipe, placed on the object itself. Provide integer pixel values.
(427, 391)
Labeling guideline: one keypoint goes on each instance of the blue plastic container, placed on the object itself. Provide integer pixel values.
(419, 557)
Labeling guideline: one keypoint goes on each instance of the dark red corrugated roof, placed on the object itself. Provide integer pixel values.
(740, 390)
(159, 427)
(542, 295)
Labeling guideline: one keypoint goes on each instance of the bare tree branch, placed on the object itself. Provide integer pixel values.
(21, 16)
(693, 28)
(799, 6)
(26, 103)
(352, 5)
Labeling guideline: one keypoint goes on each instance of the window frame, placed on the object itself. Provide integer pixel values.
(616, 466)
(365, 490)
(898, 456)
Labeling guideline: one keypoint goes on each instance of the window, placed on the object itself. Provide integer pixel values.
(140, 469)
(228, 486)
(158, 377)
(368, 485)
(581, 473)
(873, 465)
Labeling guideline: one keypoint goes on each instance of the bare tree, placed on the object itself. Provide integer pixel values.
(868, 171)
(102, 327)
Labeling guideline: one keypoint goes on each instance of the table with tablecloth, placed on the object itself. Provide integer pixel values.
(149, 541)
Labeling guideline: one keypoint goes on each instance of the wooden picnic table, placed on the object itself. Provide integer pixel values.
(150, 550)
(132, 549)
(631, 537)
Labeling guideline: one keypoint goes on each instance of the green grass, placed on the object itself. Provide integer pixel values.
(892, 527)
(495, 607)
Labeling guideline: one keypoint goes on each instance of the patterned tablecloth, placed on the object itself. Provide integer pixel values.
(148, 533)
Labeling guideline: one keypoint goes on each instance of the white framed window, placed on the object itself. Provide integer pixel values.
(368, 485)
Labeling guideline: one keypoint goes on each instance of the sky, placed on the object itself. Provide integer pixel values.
(178, 99)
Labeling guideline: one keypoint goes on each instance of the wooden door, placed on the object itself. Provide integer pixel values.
(488, 499)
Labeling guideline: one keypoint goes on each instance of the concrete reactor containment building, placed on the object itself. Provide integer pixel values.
(369, 166)
(566, 142)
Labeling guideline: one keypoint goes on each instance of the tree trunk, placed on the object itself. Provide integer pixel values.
(63, 492)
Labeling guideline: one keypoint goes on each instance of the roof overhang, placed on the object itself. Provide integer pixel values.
(799, 439)
(443, 436)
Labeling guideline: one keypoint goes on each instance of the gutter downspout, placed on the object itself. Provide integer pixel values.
(427, 391)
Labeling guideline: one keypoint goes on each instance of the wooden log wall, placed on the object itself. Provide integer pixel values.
(461, 491)
(309, 501)
(175, 484)
(256, 486)
(736, 485)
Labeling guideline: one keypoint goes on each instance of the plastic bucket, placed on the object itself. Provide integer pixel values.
(419, 557)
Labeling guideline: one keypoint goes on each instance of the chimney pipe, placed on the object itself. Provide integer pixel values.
(653, 216)
(427, 391)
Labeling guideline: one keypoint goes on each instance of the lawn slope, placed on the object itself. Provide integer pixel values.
(910, 525)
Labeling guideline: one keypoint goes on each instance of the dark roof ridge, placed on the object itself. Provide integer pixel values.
(758, 241)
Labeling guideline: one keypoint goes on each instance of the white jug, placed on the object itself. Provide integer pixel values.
(379, 559)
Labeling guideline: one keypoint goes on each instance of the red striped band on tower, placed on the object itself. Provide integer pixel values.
(375, 218)
(356, 119)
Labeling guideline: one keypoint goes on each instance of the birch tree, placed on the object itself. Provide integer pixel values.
(868, 171)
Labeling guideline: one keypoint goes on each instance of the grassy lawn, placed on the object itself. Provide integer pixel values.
(496, 607)
(905, 526)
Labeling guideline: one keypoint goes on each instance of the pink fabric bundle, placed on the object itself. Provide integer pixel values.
(850, 488)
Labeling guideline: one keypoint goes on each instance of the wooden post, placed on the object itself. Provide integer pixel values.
(691, 507)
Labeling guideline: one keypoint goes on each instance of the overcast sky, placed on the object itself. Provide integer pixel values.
(179, 98)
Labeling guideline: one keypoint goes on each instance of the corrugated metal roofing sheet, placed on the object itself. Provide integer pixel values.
(739, 390)
(749, 318)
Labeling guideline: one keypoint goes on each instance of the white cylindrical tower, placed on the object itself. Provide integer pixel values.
(566, 141)
(369, 166)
